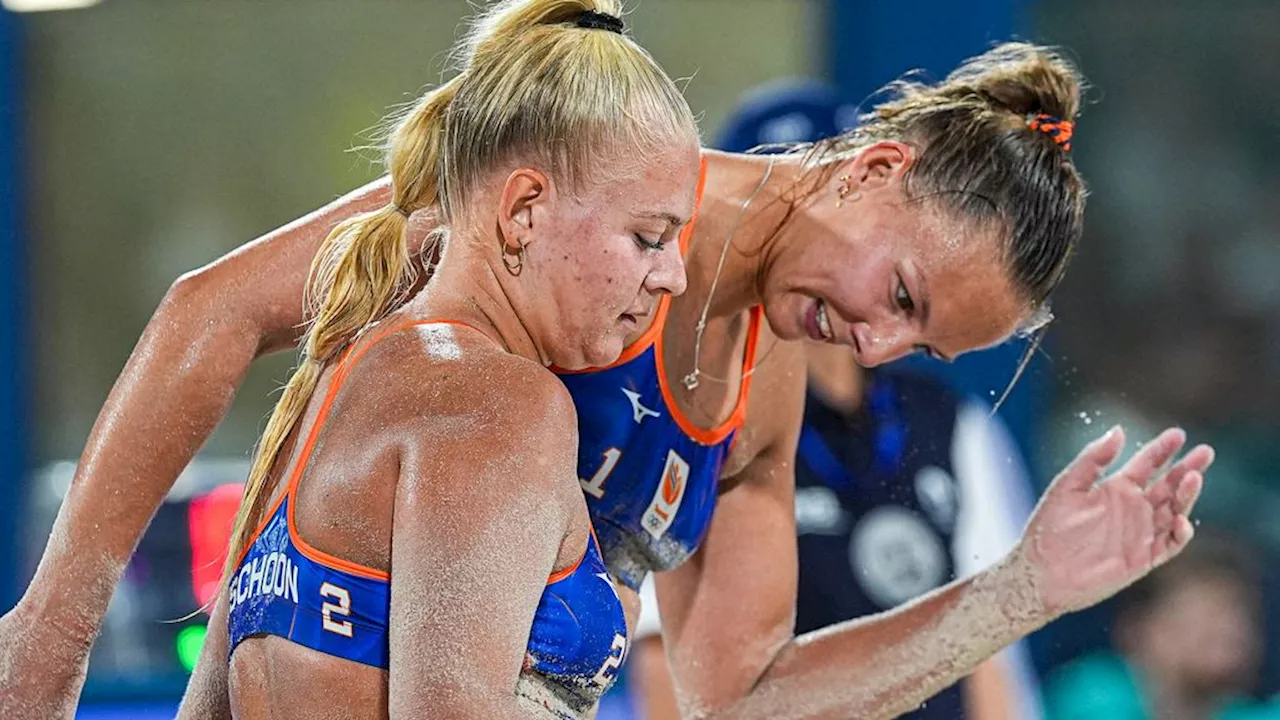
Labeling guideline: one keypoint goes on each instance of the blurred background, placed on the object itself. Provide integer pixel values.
(141, 139)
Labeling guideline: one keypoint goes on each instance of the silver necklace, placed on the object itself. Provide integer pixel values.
(692, 380)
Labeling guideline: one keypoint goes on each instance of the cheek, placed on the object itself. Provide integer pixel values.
(602, 270)
(858, 285)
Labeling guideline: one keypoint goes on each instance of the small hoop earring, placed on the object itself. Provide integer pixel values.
(845, 189)
(513, 267)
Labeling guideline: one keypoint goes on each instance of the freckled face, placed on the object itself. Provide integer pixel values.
(608, 252)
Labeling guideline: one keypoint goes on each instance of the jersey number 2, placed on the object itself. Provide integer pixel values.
(602, 677)
(342, 607)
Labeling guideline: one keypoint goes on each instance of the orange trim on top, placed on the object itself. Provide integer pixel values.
(686, 233)
(266, 518)
(748, 366)
(749, 357)
(650, 335)
(739, 415)
(565, 572)
(342, 370)
(262, 525)
(636, 348)
(339, 377)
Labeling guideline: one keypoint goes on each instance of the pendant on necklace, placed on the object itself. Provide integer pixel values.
(691, 380)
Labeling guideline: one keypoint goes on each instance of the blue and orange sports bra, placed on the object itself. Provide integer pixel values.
(650, 475)
(285, 587)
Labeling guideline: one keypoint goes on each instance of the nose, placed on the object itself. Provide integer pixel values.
(667, 274)
(882, 343)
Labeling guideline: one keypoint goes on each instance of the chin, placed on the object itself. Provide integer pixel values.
(605, 351)
(781, 312)
(601, 351)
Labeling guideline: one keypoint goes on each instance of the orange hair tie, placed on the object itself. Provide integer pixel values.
(1059, 130)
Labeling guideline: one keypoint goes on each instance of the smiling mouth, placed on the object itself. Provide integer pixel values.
(824, 322)
(819, 325)
(817, 322)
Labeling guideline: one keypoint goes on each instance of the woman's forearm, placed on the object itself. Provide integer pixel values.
(885, 665)
(176, 386)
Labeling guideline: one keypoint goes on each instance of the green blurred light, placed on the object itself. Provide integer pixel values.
(190, 640)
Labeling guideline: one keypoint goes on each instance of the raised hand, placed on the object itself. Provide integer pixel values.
(1087, 540)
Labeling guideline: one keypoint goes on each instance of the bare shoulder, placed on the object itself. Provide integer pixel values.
(467, 406)
(775, 402)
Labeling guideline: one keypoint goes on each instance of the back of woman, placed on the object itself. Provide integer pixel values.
(323, 551)
(412, 540)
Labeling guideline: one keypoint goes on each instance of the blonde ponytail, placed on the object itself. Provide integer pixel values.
(529, 81)
(361, 272)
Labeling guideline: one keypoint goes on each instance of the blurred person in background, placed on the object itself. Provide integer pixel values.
(1187, 645)
(941, 224)
(901, 485)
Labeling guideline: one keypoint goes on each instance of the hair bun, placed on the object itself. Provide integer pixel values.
(1024, 79)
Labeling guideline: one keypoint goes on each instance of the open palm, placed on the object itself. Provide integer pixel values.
(1088, 540)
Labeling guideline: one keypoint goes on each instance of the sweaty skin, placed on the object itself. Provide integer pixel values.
(731, 658)
(410, 460)
(408, 415)
(834, 375)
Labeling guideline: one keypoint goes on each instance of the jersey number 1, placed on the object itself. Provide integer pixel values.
(595, 486)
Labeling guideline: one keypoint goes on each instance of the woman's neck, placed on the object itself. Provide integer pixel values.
(745, 202)
(466, 288)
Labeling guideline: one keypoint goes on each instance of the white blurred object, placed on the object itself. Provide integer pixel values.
(42, 5)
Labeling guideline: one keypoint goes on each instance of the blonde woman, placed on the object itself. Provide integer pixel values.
(410, 537)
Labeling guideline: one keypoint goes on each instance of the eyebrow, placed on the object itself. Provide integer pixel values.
(925, 303)
(668, 217)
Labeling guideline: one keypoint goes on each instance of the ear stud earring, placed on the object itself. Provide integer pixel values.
(845, 191)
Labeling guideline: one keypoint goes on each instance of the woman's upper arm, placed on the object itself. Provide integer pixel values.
(177, 385)
(718, 645)
(259, 286)
(481, 510)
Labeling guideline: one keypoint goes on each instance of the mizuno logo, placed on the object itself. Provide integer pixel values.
(638, 411)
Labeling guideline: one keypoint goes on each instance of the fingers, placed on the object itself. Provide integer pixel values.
(1093, 460)
(1173, 526)
(1166, 546)
(1187, 492)
(1174, 495)
(1153, 456)
(1198, 460)
(1183, 532)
